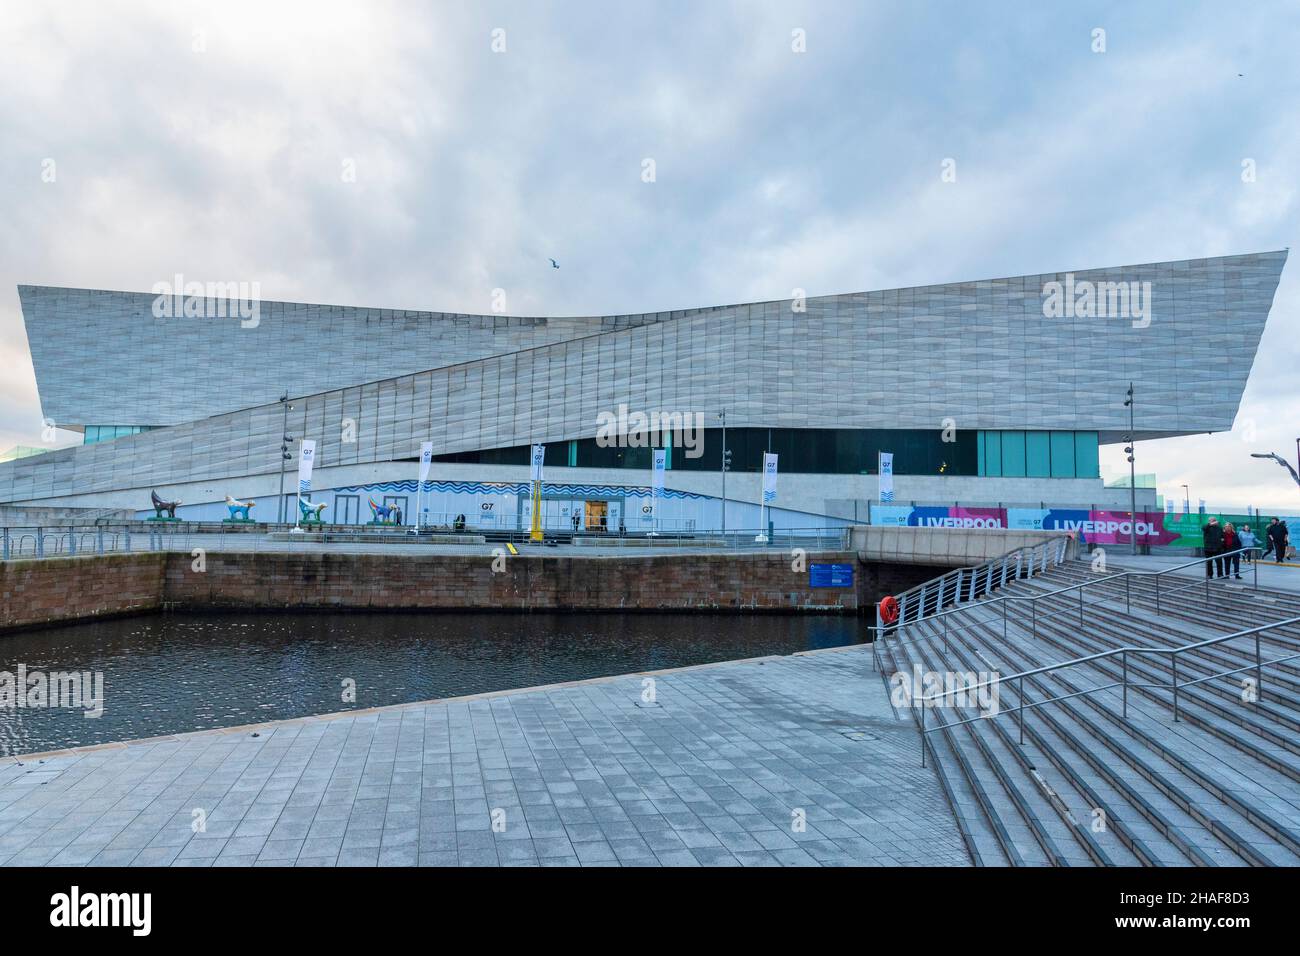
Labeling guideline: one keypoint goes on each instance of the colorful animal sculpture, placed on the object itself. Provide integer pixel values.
(385, 514)
(311, 512)
(159, 506)
(239, 509)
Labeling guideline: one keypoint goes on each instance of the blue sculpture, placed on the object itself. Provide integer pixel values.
(311, 512)
(239, 510)
(385, 514)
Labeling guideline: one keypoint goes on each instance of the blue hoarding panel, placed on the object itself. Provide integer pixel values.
(830, 575)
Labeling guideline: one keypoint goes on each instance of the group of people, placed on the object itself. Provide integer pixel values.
(1224, 546)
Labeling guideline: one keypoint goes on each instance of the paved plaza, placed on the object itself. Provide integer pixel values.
(718, 770)
(1272, 576)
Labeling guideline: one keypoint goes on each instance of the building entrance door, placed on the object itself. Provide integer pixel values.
(347, 509)
(597, 515)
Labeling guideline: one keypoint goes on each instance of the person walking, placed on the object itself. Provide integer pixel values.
(1247, 536)
(1212, 535)
(1231, 561)
(1277, 539)
(1268, 539)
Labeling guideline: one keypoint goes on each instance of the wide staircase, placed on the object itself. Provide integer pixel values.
(1072, 723)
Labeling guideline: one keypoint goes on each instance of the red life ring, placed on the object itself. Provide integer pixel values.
(888, 609)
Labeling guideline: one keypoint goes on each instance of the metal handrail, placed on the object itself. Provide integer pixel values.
(1123, 652)
(1010, 566)
(982, 577)
(27, 542)
(1079, 585)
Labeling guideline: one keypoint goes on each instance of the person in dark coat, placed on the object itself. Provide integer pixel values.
(1268, 539)
(1277, 538)
(1212, 534)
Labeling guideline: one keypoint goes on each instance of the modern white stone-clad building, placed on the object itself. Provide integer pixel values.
(989, 393)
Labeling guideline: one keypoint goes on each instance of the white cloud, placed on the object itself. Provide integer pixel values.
(776, 170)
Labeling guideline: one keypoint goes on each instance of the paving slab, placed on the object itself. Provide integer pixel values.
(788, 761)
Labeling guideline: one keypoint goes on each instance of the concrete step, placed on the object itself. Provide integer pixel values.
(980, 832)
(1245, 790)
(1182, 804)
(1236, 606)
(1011, 821)
(1219, 787)
(1220, 716)
(1160, 631)
(1062, 793)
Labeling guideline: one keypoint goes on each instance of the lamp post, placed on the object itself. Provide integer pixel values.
(726, 466)
(284, 453)
(1187, 501)
(1132, 474)
(1273, 456)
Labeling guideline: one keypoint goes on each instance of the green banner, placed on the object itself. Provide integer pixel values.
(1187, 528)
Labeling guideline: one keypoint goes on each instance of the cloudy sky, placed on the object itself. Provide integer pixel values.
(383, 153)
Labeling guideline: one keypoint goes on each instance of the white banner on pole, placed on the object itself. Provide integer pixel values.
(426, 459)
(657, 479)
(539, 456)
(769, 477)
(306, 458)
(886, 476)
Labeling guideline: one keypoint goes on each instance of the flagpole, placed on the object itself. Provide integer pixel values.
(767, 492)
(426, 459)
(658, 463)
(535, 531)
(539, 457)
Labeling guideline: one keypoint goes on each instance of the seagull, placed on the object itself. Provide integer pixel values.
(554, 264)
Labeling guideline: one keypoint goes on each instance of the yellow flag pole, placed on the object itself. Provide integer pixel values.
(536, 533)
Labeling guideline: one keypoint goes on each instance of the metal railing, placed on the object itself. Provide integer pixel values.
(64, 541)
(1004, 601)
(28, 543)
(965, 584)
(555, 523)
(1124, 683)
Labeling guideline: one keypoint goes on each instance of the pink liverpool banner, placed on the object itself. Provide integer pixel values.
(1093, 527)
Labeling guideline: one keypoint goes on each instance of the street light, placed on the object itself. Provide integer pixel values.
(285, 455)
(1281, 461)
(726, 467)
(1132, 473)
(1187, 501)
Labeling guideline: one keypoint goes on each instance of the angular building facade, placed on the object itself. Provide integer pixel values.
(995, 393)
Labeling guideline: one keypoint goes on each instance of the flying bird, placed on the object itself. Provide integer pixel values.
(554, 264)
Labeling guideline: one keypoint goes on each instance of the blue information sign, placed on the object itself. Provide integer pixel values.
(830, 575)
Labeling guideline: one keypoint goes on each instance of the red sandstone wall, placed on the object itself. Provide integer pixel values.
(34, 593)
(723, 582)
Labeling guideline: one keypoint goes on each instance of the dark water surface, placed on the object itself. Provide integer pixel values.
(177, 672)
